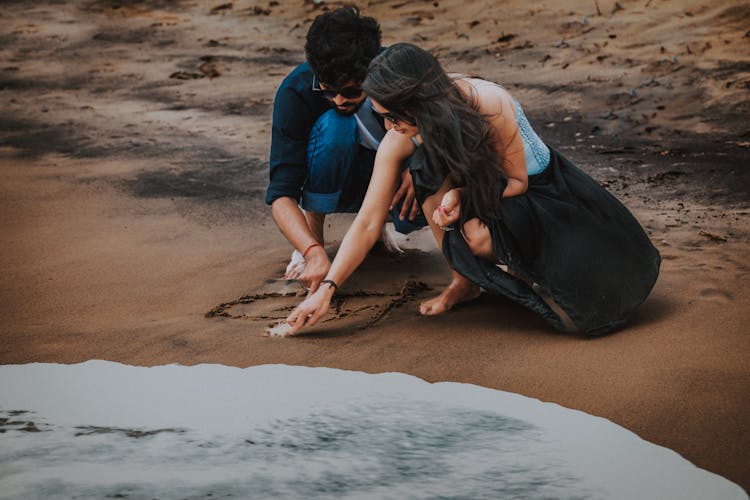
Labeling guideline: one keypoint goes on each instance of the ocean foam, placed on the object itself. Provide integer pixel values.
(106, 429)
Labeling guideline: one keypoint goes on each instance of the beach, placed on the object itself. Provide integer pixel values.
(134, 142)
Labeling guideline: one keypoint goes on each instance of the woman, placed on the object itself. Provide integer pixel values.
(513, 216)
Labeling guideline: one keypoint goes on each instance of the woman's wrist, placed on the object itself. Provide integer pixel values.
(332, 286)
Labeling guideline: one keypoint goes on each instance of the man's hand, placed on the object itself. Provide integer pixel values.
(317, 265)
(410, 206)
(449, 210)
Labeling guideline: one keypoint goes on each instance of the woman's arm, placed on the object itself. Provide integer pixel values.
(364, 231)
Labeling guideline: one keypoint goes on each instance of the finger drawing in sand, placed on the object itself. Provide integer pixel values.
(512, 215)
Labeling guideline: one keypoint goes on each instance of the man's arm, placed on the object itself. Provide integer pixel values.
(293, 225)
(293, 118)
(295, 111)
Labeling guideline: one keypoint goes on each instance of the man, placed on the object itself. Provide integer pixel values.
(323, 141)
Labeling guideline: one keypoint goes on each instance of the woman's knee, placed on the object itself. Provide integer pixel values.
(478, 237)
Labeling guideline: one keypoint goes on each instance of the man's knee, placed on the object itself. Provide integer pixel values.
(331, 152)
(333, 132)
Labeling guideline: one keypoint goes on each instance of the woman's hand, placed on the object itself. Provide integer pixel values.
(449, 210)
(311, 309)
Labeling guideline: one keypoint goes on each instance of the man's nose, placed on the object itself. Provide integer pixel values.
(339, 100)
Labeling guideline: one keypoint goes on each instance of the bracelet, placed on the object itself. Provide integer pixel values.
(304, 254)
(331, 283)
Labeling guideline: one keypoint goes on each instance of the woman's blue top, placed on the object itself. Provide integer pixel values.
(535, 151)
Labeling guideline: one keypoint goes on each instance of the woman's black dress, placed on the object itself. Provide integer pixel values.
(568, 235)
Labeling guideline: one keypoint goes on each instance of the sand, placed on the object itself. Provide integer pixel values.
(133, 145)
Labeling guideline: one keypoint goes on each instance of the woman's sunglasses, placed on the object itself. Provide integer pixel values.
(394, 118)
(330, 93)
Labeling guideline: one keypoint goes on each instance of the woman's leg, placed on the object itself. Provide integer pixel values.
(460, 289)
(479, 239)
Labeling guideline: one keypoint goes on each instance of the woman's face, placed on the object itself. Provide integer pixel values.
(401, 124)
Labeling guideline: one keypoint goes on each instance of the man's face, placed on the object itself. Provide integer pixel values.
(345, 99)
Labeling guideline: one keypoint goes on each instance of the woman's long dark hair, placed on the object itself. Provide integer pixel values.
(457, 138)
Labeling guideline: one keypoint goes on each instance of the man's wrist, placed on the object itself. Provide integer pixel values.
(315, 251)
(310, 248)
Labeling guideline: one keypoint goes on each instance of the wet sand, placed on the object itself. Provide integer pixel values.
(134, 139)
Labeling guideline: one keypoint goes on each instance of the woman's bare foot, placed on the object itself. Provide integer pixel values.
(460, 290)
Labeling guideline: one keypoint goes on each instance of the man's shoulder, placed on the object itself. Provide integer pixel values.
(295, 106)
(299, 80)
(295, 95)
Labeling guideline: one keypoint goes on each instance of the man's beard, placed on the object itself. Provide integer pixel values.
(347, 110)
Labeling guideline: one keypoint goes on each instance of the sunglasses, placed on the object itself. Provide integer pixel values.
(352, 92)
(394, 118)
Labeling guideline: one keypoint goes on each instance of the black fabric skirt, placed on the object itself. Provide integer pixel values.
(571, 239)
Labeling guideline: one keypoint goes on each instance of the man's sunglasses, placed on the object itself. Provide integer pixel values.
(330, 93)
(394, 118)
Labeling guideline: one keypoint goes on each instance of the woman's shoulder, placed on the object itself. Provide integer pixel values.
(396, 144)
(489, 97)
(476, 84)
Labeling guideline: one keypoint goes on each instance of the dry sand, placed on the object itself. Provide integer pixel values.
(133, 145)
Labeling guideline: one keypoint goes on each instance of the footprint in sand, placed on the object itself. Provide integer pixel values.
(350, 310)
(716, 295)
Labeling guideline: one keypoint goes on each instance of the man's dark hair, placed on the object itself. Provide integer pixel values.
(341, 44)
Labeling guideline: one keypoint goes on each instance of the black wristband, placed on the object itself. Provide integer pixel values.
(331, 283)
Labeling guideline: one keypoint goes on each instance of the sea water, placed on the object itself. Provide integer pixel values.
(106, 430)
